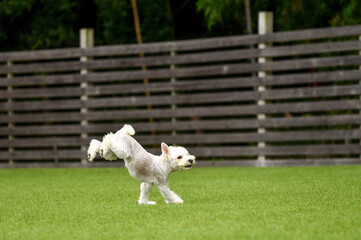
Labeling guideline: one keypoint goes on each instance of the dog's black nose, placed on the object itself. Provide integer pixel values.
(190, 161)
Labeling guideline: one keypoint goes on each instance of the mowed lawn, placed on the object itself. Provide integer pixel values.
(220, 203)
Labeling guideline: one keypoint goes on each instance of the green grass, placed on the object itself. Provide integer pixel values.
(220, 203)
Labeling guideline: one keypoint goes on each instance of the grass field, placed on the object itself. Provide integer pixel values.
(220, 203)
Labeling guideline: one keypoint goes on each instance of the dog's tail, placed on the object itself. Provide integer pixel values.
(127, 130)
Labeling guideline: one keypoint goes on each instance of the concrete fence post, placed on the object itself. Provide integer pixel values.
(265, 26)
(10, 112)
(173, 93)
(86, 41)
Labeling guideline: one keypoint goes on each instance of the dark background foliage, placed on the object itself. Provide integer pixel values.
(41, 24)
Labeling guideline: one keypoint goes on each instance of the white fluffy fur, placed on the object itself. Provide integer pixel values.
(142, 165)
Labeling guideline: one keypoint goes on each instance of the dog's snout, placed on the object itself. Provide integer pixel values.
(190, 161)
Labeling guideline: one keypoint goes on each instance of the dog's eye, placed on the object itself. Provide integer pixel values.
(179, 157)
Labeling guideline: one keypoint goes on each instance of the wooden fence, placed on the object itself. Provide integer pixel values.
(202, 94)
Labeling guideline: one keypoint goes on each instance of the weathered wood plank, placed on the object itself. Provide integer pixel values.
(200, 163)
(251, 137)
(225, 69)
(42, 105)
(317, 106)
(226, 83)
(44, 142)
(295, 93)
(207, 84)
(285, 79)
(184, 45)
(41, 155)
(187, 45)
(313, 162)
(230, 124)
(226, 125)
(63, 53)
(310, 34)
(41, 80)
(301, 78)
(42, 130)
(323, 106)
(305, 150)
(217, 56)
(177, 99)
(69, 116)
(42, 92)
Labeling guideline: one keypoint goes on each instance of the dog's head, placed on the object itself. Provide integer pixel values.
(105, 150)
(178, 157)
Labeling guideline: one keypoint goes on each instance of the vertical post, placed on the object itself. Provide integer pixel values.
(173, 93)
(265, 26)
(10, 113)
(86, 41)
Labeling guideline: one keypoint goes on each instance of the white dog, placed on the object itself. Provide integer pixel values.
(142, 165)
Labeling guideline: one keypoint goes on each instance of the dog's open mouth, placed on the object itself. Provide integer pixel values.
(189, 166)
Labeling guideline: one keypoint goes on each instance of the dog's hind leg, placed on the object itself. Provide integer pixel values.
(93, 149)
(169, 195)
(144, 193)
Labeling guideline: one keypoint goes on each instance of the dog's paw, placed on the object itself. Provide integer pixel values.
(175, 201)
(147, 203)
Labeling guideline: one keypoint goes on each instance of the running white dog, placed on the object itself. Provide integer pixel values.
(142, 165)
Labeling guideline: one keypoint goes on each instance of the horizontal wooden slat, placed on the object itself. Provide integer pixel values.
(187, 45)
(41, 155)
(41, 54)
(42, 130)
(190, 125)
(184, 45)
(314, 150)
(130, 101)
(64, 129)
(225, 69)
(312, 162)
(166, 100)
(316, 106)
(227, 110)
(226, 83)
(200, 163)
(42, 105)
(218, 56)
(177, 99)
(221, 83)
(44, 142)
(251, 137)
(41, 80)
(294, 93)
(42, 92)
(186, 139)
(208, 84)
(302, 78)
(230, 124)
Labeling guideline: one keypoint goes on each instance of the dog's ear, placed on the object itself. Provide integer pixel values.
(165, 149)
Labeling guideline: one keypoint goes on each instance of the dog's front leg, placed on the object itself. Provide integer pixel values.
(144, 193)
(169, 196)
